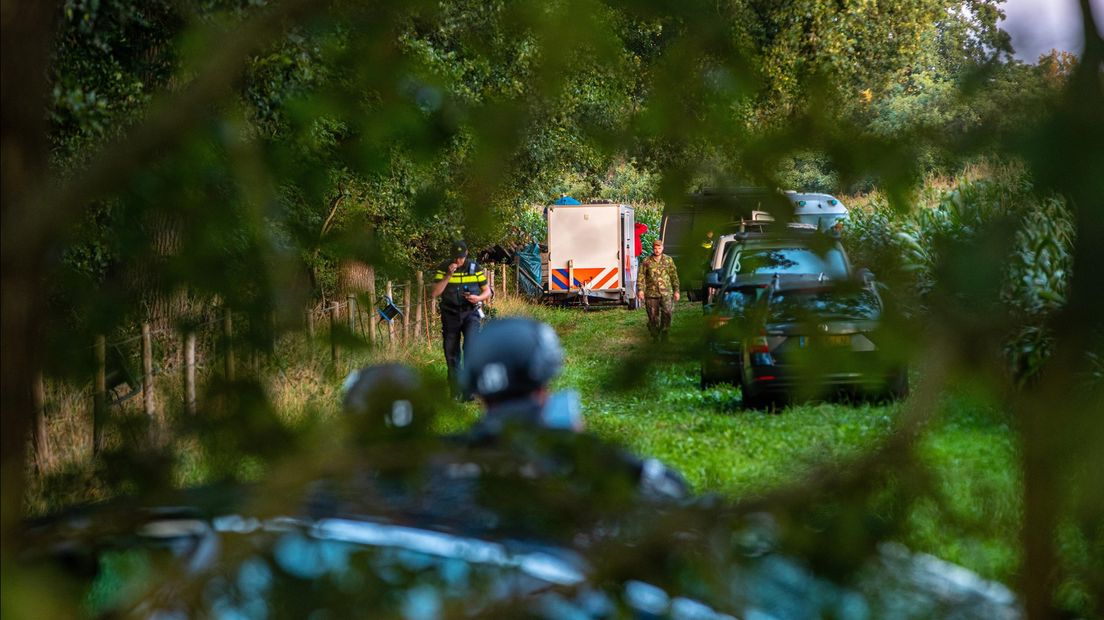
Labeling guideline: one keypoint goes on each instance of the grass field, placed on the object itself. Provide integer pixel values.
(647, 399)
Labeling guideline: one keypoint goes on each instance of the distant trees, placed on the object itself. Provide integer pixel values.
(386, 128)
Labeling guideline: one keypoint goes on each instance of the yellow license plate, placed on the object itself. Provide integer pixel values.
(837, 341)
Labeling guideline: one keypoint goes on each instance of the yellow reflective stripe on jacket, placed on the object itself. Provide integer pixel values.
(475, 278)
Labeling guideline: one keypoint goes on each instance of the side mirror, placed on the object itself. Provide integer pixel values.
(713, 279)
(866, 275)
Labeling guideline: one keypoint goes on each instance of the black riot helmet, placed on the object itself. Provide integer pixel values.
(511, 357)
(384, 400)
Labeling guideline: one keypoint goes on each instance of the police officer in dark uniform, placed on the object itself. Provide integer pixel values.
(509, 368)
(462, 287)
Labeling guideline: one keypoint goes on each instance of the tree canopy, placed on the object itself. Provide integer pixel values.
(247, 151)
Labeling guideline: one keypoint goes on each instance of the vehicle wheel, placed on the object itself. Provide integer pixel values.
(749, 399)
(758, 402)
(897, 388)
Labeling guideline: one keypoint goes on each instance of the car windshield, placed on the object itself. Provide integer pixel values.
(677, 230)
(739, 300)
(798, 305)
(794, 260)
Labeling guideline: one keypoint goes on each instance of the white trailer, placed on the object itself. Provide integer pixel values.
(590, 249)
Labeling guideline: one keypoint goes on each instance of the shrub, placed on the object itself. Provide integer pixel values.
(906, 247)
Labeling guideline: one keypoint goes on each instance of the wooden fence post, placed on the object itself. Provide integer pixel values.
(428, 313)
(147, 373)
(504, 267)
(41, 446)
(491, 282)
(419, 309)
(406, 312)
(99, 403)
(228, 344)
(360, 320)
(310, 332)
(371, 326)
(272, 333)
(333, 334)
(352, 303)
(189, 371)
(390, 324)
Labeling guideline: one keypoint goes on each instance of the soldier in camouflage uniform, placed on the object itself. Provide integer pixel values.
(658, 288)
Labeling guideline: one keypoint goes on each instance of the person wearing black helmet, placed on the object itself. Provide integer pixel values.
(509, 368)
(462, 287)
(387, 417)
(385, 402)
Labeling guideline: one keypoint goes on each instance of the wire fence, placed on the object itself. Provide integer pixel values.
(387, 315)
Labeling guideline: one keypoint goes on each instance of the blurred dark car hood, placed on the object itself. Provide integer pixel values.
(181, 561)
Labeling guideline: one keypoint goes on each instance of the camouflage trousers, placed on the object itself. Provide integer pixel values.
(659, 314)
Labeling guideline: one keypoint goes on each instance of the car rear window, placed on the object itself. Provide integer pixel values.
(788, 261)
(799, 305)
(739, 300)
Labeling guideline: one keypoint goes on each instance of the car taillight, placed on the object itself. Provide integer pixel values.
(716, 321)
(758, 345)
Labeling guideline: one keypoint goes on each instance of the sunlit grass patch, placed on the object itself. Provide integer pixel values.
(723, 448)
(975, 516)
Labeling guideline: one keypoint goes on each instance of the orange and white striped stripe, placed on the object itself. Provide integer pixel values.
(593, 278)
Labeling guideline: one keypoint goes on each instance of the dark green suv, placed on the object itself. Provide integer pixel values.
(798, 335)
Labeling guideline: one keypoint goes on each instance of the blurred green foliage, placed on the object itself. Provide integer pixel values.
(1031, 264)
(376, 132)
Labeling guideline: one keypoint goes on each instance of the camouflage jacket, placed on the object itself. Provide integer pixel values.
(658, 277)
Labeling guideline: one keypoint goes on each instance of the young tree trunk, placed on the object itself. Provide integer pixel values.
(228, 344)
(99, 395)
(147, 375)
(406, 312)
(40, 440)
(190, 372)
(419, 302)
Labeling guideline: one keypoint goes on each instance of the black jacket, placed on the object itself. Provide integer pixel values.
(468, 278)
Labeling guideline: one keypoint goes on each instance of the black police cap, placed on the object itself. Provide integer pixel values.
(511, 357)
(459, 249)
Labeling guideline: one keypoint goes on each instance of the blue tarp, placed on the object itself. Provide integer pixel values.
(567, 200)
(529, 270)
